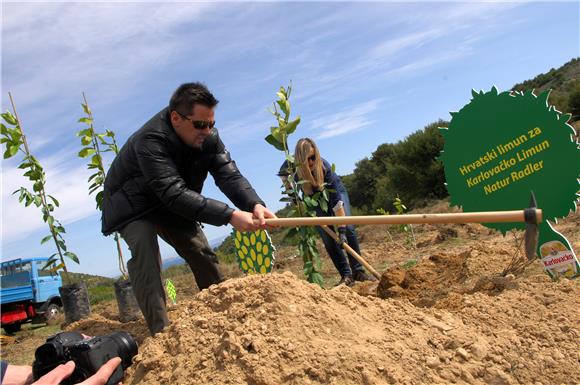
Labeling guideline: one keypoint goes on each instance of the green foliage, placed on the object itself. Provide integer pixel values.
(406, 228)
(408, 169)
(302, 205)
(102, 293)
(226, 252)
(564, 84)
(92, 141)
(94, 144)
(409, 264)
(14, 141)
(101, 289)
(176, 271)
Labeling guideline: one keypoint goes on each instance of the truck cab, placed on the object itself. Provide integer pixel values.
(28, 293)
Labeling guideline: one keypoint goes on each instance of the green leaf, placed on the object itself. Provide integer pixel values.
(96, 160)
(93, 176)
(94, 187)
(61, 244)
(99, 200)
(291, 126)
(283, 104)
(86, 140)
(37, 186)
(16, 135)
(9, 118)
(50, 262)
(86, 120)
(54, 201)
(57, 267)
(46, 239)
(316, 278)
(37, 201)
(308, 268)
(324, 205)
(13, 149)
(85, 132)
(72, 256)
(276, 133)
(86, 109)
(274, 142)
(289, 158)
(50, 220)
(86, 152)
(3, 129)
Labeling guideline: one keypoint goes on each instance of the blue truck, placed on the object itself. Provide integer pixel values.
(28, 293)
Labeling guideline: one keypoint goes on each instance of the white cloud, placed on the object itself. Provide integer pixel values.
(346, 121)
(65, 182)
(56, 48)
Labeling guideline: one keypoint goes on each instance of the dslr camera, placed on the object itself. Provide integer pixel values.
(88, 354)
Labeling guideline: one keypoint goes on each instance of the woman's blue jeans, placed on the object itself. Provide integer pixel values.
(345, 265)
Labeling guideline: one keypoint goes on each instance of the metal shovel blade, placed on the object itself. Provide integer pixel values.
(531, 233)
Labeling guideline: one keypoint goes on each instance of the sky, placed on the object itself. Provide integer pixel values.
(363, 74)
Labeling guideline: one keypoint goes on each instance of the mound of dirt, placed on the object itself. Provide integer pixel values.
(427, 282)
(277, 329)
(451, 318)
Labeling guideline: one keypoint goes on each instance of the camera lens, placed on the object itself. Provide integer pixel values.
(126, 347)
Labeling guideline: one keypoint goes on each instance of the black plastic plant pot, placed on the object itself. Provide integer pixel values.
(126, 301)
(75, 301)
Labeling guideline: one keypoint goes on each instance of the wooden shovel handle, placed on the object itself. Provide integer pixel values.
(354, 254)
(475, 217)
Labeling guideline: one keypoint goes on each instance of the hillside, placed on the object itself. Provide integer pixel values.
(409, 168)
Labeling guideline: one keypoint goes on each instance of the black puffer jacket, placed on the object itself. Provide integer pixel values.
(155, 168)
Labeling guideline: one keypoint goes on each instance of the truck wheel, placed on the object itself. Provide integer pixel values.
(12, 328)
(52, 314)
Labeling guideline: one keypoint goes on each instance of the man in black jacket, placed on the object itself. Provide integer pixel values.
(153, 188)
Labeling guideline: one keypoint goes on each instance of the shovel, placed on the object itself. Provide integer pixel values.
(532, 216)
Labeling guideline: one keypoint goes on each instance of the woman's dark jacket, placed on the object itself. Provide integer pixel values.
(336, 189)
(155, 168)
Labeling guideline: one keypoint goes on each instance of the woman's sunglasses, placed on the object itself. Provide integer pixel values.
(312, 158)
(198, 124)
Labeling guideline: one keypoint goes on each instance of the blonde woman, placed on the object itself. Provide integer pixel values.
(318, 175)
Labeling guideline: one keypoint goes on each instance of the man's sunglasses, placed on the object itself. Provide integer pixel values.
(198, 124)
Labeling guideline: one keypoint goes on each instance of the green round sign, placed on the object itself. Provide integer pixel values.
(502, 146)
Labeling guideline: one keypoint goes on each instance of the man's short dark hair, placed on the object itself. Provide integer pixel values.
(189, 94)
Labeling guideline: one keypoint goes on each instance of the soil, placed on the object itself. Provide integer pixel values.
(443, 312)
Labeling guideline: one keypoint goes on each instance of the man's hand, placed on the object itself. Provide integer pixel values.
(61, 372)
(243, 221)
(261, 213)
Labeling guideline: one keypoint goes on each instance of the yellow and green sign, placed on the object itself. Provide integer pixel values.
(499, 148)
(254, 251)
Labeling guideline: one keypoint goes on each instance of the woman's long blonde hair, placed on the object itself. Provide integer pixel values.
(314, 178)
